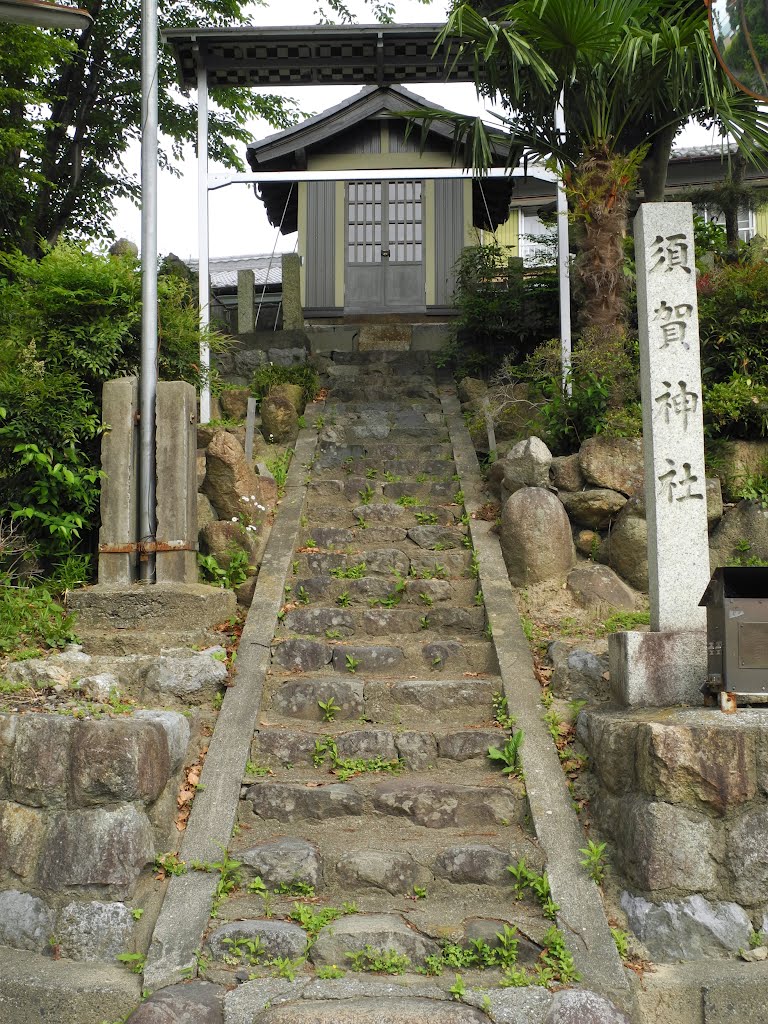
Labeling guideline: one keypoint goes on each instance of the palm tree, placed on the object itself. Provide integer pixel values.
(630, 74)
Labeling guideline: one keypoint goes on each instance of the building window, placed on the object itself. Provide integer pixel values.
(747, 227)
(538, 241)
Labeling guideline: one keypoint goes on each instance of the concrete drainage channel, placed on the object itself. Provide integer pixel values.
(179, 934)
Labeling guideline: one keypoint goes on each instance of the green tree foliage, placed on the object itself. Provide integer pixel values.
(733, 319)
(70, 106)
(631, 73)
(68, 323)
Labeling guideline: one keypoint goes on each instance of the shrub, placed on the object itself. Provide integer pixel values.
(68, 323)
(498, 313)
(733, 321)
(593, 406)
(266, 377)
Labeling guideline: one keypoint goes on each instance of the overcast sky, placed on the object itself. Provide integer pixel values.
(238, 222)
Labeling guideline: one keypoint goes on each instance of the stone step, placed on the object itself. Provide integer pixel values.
(276, 747)
(341, 623)
(404, 469)
(371, 591)
(446, 699)
(406, 655)
(381, 452)
(442, 860)
(419, 799)
(327, 503)
(359, 458)
(364, 489)
(409, 560)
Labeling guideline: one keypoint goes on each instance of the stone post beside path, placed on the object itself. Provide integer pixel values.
(668, 664)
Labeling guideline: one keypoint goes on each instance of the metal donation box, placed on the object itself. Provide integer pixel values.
(736, 600)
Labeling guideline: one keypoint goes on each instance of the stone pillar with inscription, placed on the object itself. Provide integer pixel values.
(668, 664)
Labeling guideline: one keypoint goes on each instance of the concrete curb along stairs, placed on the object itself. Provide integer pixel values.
(184, 916)
(582, 916)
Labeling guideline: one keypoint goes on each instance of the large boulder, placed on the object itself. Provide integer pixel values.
(738, 460)
(234, 402)
(536, 537)
(293, 392)
(613, 462)
(598, 587)
(594, 508)
(689, 929)
(222, 539)
(279, 419)
(741, 534)
(473, 390)
(526, 464)
(565, 473)
(714, 502)
(625, 548)
(234, 489)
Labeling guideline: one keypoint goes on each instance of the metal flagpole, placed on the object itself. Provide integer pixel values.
(147, 512)
(563, 258)
(204, 280)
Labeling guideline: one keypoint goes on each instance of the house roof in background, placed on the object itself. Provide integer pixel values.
(316, 55)
(369, 102)
(267, 270)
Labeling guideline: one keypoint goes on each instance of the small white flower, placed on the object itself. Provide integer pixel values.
(234, 519)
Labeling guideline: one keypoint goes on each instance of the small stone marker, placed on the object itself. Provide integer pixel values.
(673, 434)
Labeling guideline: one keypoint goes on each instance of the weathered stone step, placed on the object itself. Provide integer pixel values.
(344, 488)
(426, 594)
(446, 700)
(403, 656)
(421, 801)
(277, 746)
(353, 389)
(335, 623)
(384, 452)
(439, 863)
(405, 469)
(421, 563)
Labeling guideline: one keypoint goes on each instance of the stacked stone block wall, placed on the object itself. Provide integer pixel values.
(84, 805)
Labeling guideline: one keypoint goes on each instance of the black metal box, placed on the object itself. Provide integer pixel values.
(736, 600)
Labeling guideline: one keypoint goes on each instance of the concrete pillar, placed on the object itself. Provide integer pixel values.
(668, 665)
(293, 313)
(120, 406)
(245, 308)
(673, 430)
(176, 481)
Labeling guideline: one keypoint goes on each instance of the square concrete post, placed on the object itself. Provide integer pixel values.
(119, 486)
(668, 665)
(246, 323)
(293, 312)
(176, 413)
(673, 430)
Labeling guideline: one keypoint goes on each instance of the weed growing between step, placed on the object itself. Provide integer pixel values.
(347, 768)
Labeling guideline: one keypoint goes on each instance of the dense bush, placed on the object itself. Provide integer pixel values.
(68, 323)
(500, 314)
(266, 377)
(591, 404)
(733, 323)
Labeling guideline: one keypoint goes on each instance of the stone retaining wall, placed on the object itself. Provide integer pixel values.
(681, 796)
(84, 806)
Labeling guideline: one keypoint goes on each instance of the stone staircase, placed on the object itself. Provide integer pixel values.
(369, 787)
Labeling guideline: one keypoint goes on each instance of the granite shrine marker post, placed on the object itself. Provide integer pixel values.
(668, 664)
